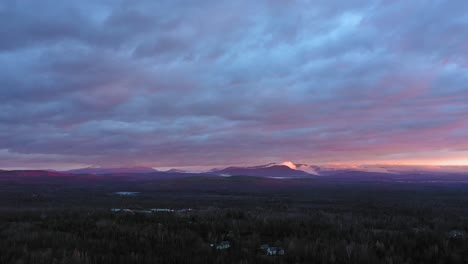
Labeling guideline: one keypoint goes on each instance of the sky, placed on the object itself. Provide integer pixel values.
(172, 83)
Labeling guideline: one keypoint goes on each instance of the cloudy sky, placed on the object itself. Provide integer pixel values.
(210, 83)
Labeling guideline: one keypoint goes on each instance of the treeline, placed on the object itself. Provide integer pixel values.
(308, 236)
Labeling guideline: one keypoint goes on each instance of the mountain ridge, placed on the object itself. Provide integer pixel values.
(263, 171)
(100, 170)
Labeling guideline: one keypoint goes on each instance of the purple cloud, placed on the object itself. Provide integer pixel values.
(171, 83)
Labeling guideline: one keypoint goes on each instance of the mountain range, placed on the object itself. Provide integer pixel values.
(286, 169)
(271, 170)
(263, 171)
(98, 170)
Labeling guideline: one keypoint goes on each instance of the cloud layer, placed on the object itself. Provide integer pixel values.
(177, 83)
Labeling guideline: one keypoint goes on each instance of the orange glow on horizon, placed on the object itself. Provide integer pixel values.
(289, 164)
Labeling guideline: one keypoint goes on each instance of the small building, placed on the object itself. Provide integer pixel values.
(221, 246)
(275, 251)
(455, 234)
(272, 251)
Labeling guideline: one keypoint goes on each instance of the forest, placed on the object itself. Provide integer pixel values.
(57, 221)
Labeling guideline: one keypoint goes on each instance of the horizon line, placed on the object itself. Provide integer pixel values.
(209, 167)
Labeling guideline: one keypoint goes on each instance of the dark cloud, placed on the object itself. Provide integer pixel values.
(173, 83)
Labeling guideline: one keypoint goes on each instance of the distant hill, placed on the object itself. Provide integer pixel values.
(31, 173)
(263, 171)
(112, 170)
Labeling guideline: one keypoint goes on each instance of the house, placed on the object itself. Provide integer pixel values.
(272, 251)
(221, 246)
(275, 251)
(456, 234)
